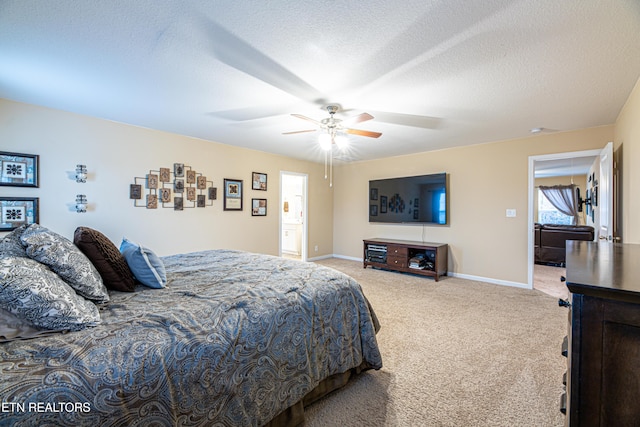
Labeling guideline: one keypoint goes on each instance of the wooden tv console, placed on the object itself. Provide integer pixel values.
(397, 254)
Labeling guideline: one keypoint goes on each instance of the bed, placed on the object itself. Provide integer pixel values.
(232, 339)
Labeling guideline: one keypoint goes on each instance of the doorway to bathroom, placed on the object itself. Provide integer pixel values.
(293, 215)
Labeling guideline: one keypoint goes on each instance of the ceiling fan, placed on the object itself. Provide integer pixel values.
(237, 53)
(333, 132)
(334, 126)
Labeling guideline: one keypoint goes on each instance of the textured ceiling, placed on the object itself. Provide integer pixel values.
(434, 74)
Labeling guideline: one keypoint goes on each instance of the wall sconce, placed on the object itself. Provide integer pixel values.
(81, 173)
(81, 203)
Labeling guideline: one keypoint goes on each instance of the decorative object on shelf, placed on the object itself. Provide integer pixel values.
(286, 206)
(81, 203)
(19, 170)
(232, 194)
(258, 207)
(81, 173)
(17, 211)
(259, 181)
(167, 189)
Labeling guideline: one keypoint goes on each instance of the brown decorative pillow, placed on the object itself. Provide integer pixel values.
(106, 257)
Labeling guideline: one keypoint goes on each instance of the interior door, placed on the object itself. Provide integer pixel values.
(293, 214)
(605, 188)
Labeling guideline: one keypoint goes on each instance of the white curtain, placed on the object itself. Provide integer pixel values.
(563, 198)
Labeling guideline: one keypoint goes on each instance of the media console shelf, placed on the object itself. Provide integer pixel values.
(427, 259)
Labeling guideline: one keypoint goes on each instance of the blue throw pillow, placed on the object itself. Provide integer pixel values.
(145, 265)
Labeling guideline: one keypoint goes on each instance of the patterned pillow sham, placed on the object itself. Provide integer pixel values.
(64, 258)
(11, 245)
(106, 257)
(146, 266)
(39, 296)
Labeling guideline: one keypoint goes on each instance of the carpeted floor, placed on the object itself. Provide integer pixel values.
(455, 353)
(546, 278)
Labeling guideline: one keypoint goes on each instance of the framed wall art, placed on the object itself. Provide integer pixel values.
(17, 211)
(232, 194)
(259, 181)
(178, 188)
(19, 170)
(258, 207)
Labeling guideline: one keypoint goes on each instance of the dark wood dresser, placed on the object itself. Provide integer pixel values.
(603, 343)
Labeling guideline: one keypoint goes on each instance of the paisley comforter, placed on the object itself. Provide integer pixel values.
(234, 339)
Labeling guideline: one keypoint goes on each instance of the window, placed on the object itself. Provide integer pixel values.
(442, 208)
(548, 214)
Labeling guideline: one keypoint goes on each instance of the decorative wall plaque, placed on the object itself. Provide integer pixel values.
(178, 188)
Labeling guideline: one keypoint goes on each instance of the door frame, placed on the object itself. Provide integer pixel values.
(305, 209)
(530, 220)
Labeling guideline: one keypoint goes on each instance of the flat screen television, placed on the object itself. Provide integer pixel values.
(412, 199)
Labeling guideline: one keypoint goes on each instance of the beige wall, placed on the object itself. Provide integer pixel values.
(627, 147)
(484, 181)
(115, 153)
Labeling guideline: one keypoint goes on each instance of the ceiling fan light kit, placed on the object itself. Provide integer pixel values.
(333, 132)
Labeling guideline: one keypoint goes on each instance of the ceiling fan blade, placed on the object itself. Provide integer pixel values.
(299, 131)
(300, 116)
(363, 133)
(424, 122)
(235, 52)
(358, 119)
(251, 113)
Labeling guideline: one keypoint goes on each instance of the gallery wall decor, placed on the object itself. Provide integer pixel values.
(17, 211)
(232, 194)
(259, 181)
(19, 170)
(258, 207)
(177, 189)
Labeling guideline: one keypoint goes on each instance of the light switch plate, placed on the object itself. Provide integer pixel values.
(511, 213)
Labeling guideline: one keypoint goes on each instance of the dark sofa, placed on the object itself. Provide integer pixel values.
(550, 241)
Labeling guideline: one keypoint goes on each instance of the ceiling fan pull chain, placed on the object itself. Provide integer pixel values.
(331, 168)
(325, 165)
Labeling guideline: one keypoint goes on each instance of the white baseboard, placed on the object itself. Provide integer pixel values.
(350, 258)
(489, 280)
(318, 258)
(458, 275)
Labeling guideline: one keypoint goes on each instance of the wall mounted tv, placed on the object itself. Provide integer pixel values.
(412, 199)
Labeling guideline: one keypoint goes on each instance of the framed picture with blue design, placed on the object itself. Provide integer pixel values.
(17, 211)
(19, 170)
(232, 194)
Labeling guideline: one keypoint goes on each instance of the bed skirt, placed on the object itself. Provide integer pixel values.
(294, 415)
